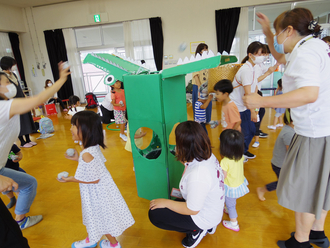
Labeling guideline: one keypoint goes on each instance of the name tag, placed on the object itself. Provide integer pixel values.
(176, 193)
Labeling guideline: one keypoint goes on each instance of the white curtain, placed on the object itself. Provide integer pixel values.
(74, 62)
(138, 44)
(5, 46)
(242, 35)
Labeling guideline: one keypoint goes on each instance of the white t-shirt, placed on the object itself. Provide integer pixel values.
(9, 130)
(245, 76)
(72, 111)
(202, 186)
(260, 70)
(107, 102)
(309, 65)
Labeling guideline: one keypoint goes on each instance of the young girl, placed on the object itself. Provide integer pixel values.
(54, 99)
(103, 208)
(279, 111)
(119, 105)
(281, 146)
(74, 103)
(231, 148)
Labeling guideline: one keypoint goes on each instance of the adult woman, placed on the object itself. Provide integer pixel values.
(26, 120)
(9, 129)
(304, 180)
(201, 79)
(244, 83)
(54, 98)
(201, 186)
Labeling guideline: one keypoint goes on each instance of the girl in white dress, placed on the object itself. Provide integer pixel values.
(103, 208)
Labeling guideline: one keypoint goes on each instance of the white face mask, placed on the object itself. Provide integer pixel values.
(49, 84)
(12, 91)
(258, 59)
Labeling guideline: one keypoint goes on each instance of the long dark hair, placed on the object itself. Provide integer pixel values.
(232, 144)
(192, 142)
(89, 124)
(253, 48)
(200, 48)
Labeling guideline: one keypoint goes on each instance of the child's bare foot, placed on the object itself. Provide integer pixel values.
(260, 193)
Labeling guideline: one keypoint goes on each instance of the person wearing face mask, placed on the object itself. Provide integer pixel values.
(303, 184)
(10, 111)
(54, 98)
(8, 64)
(244, 83)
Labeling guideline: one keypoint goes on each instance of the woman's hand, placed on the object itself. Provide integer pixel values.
(7, 184)
(158, 203)
(252, 101)
(75, 157)
(63, 73)
(19, 158)
(264, 22)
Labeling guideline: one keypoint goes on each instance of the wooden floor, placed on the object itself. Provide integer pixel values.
(261, 223)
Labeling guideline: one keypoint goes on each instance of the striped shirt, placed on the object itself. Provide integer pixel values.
(200, 114)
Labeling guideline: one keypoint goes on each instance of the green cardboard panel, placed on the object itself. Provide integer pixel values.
(175, 171)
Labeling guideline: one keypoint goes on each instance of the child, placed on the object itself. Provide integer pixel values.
(103, 208)
(54, 99)
(281, 146)
(14, 157)
(138, 138)
(230, 117)
(107, 109)
(201, 104)
(119, 105)
(279, 111)
(74, 103)
(232, 149)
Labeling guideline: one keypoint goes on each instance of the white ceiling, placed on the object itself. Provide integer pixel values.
(32, 3)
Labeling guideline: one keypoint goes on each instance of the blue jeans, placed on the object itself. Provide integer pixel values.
(27, 189)
(194, 100)
(248, 128)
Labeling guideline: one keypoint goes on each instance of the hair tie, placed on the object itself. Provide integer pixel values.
(312, 25)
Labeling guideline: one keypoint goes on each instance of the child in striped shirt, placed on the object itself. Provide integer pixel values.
(201, 104)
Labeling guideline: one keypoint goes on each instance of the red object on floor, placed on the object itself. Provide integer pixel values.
(36, 118)
(50, 109)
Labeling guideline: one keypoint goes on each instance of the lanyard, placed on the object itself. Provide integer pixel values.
(304, 41)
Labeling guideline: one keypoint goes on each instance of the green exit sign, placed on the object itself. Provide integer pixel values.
(97, 18)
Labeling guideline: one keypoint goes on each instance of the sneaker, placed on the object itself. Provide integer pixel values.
(263, 135)
(229, 225)
(33, 143)
(27, 145)
(271, 127)
(106, 244)
(123, 136)
(245, 160)
(279, 125)
(212, 230)
(30, 221)
(249, 155)
(192, 240)
(125, 131)
(80, 142)
(83, 244)
(255, 144)
(76, 141)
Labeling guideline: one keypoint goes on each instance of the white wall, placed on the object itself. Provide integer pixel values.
(183, 21)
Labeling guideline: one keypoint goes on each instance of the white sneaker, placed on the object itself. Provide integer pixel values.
(123, 136)
(30, 221)
(271, 127)
(245, 159)
(229, 225)
(279, 125)
(76, 141)
(255, 144)
(106, 244)
(83, 244)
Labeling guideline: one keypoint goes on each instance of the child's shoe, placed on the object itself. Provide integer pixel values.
(106, 244)
(123, 136)
(83, 244)
(76, 141)
(255, 144)
(271, 127)
(230, 225)
(279, 125)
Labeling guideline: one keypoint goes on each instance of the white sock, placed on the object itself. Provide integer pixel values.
(234, 223)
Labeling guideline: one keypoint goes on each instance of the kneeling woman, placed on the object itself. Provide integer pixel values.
(201, 186)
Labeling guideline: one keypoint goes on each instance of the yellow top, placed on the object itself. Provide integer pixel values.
(235, 171)
(138, 142)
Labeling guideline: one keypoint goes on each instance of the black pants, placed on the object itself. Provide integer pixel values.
(166, 219)
(107, 115)
(272, 186)
(261, 116)
(10, 234)
(57, 100)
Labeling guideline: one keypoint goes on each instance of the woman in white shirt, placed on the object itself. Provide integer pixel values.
(22, 183)
(304, 180)
(107, 109)
(201, 186)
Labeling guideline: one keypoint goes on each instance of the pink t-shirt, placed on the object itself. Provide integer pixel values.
(229, 116)
(117, 97)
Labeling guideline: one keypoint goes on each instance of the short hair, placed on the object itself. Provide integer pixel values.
(46, 82)
(279, 83)
(7, 62)
(192, 142)
(224, 86)
(287, 116)
(89, 124)
(232, 144)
